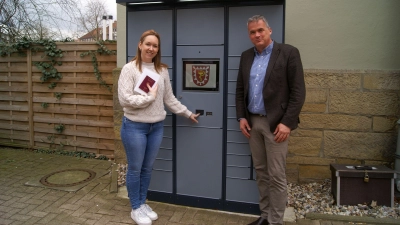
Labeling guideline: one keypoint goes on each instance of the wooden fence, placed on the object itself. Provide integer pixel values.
(32, 117)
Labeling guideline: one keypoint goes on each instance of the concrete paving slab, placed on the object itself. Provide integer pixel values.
(353, 219)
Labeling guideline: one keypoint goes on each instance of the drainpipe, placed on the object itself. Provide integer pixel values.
(397, 156)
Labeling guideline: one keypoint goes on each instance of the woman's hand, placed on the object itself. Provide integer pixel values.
(194, 116)
(152, 90)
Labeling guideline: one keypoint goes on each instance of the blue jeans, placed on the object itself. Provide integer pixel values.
(141, 142)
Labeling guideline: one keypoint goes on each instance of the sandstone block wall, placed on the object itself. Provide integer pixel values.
(119, 151)
(349, 117)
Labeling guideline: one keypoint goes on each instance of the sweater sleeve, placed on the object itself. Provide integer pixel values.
(128, 98)
(170, 100)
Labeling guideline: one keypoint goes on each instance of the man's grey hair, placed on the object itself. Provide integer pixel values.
(256, 18)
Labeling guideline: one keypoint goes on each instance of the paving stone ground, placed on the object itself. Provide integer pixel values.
(93, 204)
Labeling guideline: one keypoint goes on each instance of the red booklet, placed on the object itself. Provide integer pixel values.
(146, 80)
(147, 77)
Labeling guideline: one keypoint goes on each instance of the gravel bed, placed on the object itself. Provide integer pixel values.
(317, 198)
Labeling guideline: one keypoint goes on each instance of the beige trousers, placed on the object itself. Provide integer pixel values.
(269, 160)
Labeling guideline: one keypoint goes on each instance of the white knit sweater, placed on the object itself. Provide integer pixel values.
(145, 108)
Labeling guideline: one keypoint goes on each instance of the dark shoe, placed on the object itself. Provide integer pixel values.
(259, 221)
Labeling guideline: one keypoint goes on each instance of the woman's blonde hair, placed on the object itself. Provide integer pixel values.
(158, 65)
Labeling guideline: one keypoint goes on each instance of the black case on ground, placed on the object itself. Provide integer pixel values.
(349, 186)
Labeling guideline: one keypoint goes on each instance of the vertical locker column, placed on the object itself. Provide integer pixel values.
(240, 175)
(200, 52)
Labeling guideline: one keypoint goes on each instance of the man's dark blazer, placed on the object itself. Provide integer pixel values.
(283, 90)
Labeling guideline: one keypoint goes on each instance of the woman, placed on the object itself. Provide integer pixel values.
(142, 124)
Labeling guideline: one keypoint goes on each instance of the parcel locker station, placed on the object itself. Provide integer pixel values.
(208, 164)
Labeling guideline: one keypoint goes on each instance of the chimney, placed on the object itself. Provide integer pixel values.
(104, 28)
(110, 27)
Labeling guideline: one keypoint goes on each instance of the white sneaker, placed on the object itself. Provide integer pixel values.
(140, 217)
(149, 212)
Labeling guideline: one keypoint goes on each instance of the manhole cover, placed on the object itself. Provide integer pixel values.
(68, 177)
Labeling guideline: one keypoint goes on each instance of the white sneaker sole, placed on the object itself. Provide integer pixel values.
(132, 217)
(153, 218)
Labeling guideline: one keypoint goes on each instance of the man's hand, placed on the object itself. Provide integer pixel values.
(245, 127)
(282, 133)
(152, 90)
(194, 116)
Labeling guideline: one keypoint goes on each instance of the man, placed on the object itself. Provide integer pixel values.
(270, 93)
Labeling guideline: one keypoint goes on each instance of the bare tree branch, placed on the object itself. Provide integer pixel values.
(92, 18)
(36, 18)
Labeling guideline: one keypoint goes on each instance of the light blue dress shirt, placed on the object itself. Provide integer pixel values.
(257, 75)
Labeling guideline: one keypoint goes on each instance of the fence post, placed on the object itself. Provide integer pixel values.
(30, 98)
(397, 157)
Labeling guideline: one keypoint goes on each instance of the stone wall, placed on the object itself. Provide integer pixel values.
(348, 117)
(119, 152)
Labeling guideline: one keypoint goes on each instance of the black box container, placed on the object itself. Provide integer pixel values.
(349, 186)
